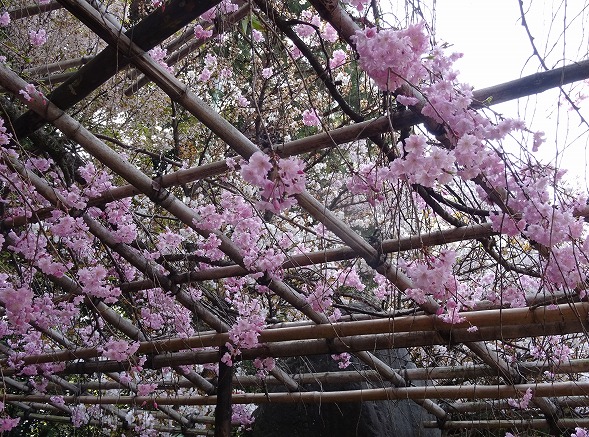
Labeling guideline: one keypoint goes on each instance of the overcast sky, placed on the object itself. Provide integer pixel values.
(497, 49)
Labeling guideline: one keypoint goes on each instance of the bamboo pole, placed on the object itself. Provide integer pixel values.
(32, 10)
(519, 319)
(345, 253)
(68, 420)
(518, 424)
(357, 344)
(470, 371)
(56, 66)
(539, 390)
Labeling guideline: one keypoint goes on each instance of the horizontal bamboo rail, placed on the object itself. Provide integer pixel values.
(68, 420)
(338, 345)
(518, 318)
(477, 407)
(57, 66)
(32, 10)
(344, 253)
(522, 424)
(529, 369)
(539, 390)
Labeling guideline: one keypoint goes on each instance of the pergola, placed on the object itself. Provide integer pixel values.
(453, 394)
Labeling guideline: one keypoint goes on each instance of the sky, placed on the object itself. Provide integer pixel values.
(497, 49)
(490, 36)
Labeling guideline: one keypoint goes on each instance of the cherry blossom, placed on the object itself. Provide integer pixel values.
(38, 38)
(4, 19)
(393, 58)
(338, 59)
(159, 55)
(524, 401)
(267, 73)
(257, 36)
(118, 350)
(29, 91)
(310, 118)
(201, 33)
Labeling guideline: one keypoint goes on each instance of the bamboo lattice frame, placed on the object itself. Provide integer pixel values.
(359, 334)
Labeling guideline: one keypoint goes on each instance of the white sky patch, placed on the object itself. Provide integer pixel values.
(497, 49)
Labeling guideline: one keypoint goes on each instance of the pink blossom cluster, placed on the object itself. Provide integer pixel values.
(72, 232)
(310, 117)
(245, 331)
(159, 55)
(329, 33)
(4, 136)
(8, 423)
(257, 36)
(160, 311)
(279, 181)
(531, 213)
(97, 182)
(320, 297)
(308, 30)
(422, 165)
(209, 68)
(118, 214)
(225, 7)
(242, 415)
(392, 58)
(29, 92)
(18, 302)
(79, 416)
(343, 360)
(555, 349)
(119, 350)
(368, 182)
(38, 38)
(146, 389)
(547, 221)
(263, 366)
(267, 72)
(246, 230)
(523, 402)
(168, 241)
(93, 281)
(201, 33)
(433, 277)
(33, 247)
(4, 19)
(338, 59)
(49, 313)
(383, 286)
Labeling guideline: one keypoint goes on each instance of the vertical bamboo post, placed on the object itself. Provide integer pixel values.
(224, 389)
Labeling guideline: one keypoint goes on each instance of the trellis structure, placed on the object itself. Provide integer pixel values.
(82, 375)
